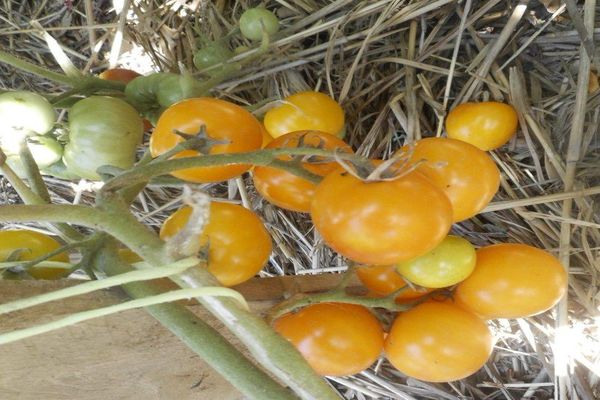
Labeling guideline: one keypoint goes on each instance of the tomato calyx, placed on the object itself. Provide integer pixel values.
(378, 171)
(200, 142)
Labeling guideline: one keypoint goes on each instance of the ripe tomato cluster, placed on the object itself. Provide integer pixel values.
(392, 218)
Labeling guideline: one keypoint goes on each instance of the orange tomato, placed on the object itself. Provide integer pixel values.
(287, 190)
(335, 339)
(512, 280)
(438, 342)
(238, 243)
(383, 280)
(223, 120)
(467, 175)
(305, 111)
(33, 245)
(119, 74)
(487, 125)
(379, 223)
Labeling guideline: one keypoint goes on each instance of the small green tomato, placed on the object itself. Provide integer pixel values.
(214, 53)
(26, 112)
(254, 20)
(451, 262)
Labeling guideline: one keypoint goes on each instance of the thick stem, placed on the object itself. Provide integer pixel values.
(259, 157)
(35, 69)
(201, 338)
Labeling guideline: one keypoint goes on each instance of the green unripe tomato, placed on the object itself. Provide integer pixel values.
(103, 130)
(214, 53)
(254, 20)
(26, 112)
(45, 151)
(451, 262)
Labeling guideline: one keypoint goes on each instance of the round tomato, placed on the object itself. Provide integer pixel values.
(24, 114)
(467, 175)
(256, 20)
(438, 342)
(305, 111)
(383, 280)
(336, 339)
(238, 243)
(379, 223)
(119, 74)
(512, 280)
(287, 190)
(103, 130)
(450, 262)
(487, 125)
(213, 53)
(33, 245)
(224, 121)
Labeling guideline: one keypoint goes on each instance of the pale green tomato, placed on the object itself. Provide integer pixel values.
(254, 20)
(26, 112)
(451, 262)
(214, 53)
(45, 151)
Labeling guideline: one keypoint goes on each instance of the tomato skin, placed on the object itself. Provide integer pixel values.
(335, 339)
(239, 244)
(305, 111)
(287, 190)
(379, 223)
(512, 280)
(383, 280)
(34, 245)
(223, 121)
(102, 131)
(25, 114)
(438, 342)
(449, 263)
(468, 176)
(123, 75)
(487, 125)
(119, 74)
(254, 20)
(212, 54)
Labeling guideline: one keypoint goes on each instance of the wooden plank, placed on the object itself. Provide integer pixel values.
(125, 356)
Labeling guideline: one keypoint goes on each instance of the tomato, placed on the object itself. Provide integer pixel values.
(335, 339)
(223, 121)
(287, 190)
(512, 280)
(213, 53)
(379, 223)
(383, 280)
(25, 113)
(467, 175)
(256, 20)
(438, 342)
(126, 76)
(266, 138)
(45, 151)
(487, 125)
(119, 74)
(238, 243)
(102, 131)
(305, 111)
(450, 262)
(33, 245)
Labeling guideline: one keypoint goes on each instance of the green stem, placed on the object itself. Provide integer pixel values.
(36, 69)
(32, 172)
(201, 338)
(336, 296)
(259, 157)
(30, 198)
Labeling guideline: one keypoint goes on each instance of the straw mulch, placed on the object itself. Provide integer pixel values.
(396, 67)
